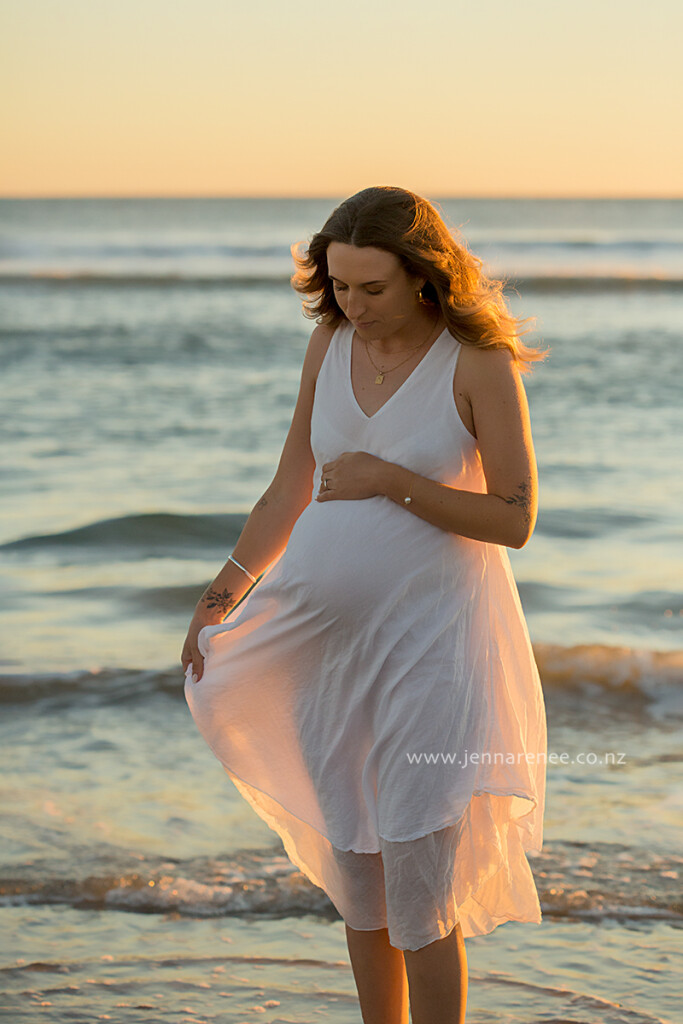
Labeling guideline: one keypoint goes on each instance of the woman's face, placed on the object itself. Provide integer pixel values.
(373, 290)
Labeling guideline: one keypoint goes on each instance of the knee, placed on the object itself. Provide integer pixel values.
(439, 951)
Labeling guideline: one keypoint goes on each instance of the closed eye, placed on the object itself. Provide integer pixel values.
(342, 288)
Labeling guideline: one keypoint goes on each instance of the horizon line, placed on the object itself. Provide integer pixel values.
(331, 197)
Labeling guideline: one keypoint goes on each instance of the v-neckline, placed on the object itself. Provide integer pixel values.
(398, 389)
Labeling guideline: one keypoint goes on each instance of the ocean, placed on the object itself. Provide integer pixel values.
(151, 352)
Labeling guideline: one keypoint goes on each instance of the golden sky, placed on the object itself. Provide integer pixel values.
(295, 98)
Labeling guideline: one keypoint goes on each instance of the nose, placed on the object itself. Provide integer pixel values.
(355, 305)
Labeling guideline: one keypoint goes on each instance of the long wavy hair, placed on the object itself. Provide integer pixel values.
(405, 224)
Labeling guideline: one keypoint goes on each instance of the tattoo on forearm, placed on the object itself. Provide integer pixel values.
(262, 503)
(223, 600)
(522, 498)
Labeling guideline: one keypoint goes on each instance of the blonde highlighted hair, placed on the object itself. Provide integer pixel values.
(403, 223)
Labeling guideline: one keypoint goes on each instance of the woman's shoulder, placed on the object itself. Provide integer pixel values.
(485, 378)
(481, 367)
(318, 344)
(322, 336)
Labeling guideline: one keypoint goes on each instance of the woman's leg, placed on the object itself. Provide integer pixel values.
(420, 900)
(380, 975)
(437, 977)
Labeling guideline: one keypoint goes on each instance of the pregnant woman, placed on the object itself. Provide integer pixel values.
(375, 697)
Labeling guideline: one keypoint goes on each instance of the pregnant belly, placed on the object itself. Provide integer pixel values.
(351, 558)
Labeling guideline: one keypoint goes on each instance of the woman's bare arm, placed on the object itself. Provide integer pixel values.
(267, 530)
(272, 518)
(506, 514)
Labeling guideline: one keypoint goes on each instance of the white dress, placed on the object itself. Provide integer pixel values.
(377, 694)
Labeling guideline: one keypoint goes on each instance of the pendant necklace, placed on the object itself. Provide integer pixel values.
(381, 374)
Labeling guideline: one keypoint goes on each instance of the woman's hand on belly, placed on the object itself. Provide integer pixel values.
(351, 476)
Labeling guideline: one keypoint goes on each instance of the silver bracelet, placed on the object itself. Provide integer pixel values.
(245, 571)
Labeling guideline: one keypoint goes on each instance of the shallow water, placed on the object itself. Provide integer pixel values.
(151, 354)
(178, 969)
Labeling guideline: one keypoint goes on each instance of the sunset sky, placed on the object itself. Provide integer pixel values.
(211, 97)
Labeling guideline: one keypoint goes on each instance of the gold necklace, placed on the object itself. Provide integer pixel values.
(381, 374)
